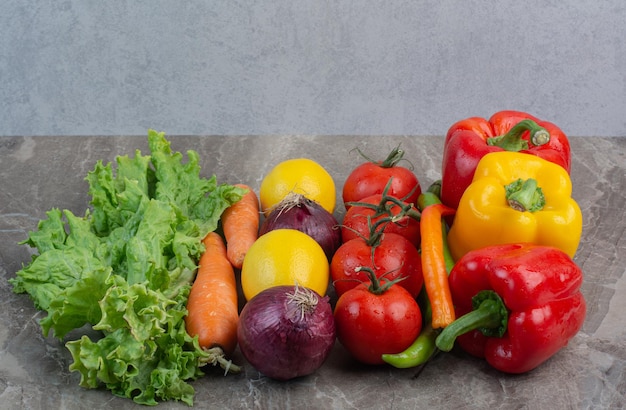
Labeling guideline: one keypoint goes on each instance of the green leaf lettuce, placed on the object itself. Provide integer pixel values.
(126, 268)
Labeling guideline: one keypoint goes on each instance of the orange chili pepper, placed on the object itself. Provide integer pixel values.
(434, 265)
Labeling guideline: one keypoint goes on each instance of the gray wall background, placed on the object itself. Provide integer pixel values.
(308, 67)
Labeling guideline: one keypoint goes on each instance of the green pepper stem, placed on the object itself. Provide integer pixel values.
(490, 316)
(512, 140)
(435, 188)
(525, 195)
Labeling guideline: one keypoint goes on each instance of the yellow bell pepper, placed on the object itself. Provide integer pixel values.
(516, 197)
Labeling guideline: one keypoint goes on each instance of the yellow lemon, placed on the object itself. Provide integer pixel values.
(300, 175)
(284, 257)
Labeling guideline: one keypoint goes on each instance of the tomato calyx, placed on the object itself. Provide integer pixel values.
(387, 202)
(377, 231)
(371, 177)
(377, 286)
(395, 156)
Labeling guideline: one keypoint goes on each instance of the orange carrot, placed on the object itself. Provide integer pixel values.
(434, 265)
(212, 304)
(240, 223)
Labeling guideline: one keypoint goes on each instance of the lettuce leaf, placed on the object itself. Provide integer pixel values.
(147, 353)
(125, 268)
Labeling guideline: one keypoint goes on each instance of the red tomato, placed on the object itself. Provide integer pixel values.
(371, 178)
(355, 221)
(369, 325)
(394, 256)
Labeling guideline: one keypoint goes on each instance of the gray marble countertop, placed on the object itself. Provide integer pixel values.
(39, 173)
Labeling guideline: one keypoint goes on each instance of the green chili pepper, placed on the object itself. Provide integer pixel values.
(423, 348)
(420, 351)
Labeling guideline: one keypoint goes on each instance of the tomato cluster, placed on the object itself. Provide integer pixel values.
(377, 238)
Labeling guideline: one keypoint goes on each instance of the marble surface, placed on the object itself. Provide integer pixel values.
(38, 173)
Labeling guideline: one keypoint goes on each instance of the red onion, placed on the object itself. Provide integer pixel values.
(299, 212)
(286, 331)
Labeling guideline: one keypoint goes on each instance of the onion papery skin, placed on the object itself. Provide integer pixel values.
(279, 340)
(305, 215)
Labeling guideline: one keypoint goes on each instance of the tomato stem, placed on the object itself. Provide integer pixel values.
(387, 202)
(376, 230)
(376, 286)
(392, 159)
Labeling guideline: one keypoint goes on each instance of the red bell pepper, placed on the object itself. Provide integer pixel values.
(468, 140)
(517, 305)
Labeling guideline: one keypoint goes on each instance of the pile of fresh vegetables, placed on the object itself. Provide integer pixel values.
(497, 238)
(482, 259)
